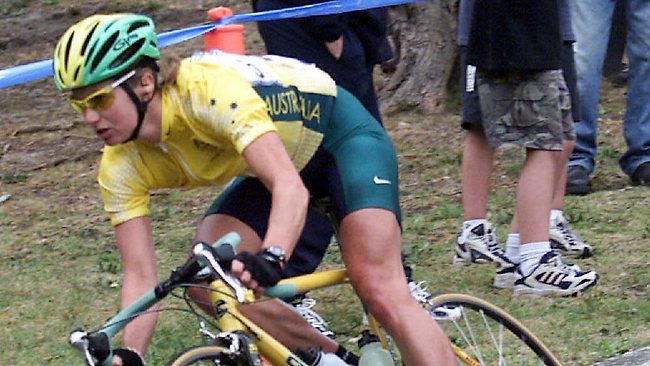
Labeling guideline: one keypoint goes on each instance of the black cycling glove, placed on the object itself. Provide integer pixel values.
(129, 357)
(264, 269)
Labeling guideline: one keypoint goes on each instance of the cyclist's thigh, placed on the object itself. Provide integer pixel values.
(244, 207)
(363, 169)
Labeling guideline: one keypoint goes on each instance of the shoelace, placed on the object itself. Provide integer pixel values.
(315, 320)
(306, 303)
(565, 267)
(568, 234)
(493, 244)
(419, 291)
(422, 295)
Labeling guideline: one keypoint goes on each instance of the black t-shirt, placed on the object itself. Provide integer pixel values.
(515, 35)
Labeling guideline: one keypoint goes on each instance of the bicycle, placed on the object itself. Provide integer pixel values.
(243, 342)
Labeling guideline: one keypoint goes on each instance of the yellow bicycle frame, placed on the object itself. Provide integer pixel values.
(233, 320)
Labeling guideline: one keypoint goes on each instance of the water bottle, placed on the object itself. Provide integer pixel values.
(314, 357)
(372, 352)
(330, 359)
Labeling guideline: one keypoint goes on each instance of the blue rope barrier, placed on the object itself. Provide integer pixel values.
(42, 69)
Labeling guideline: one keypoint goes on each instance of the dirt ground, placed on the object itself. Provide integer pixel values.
(37, 128)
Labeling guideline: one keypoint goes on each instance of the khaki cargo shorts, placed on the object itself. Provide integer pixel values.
(531, 110)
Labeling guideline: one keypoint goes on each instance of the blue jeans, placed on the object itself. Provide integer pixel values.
(591, 24)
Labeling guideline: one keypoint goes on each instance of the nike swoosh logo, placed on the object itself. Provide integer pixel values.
(378, 180)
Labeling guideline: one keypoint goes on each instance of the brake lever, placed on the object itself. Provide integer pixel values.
(79, 340)
(204, 251)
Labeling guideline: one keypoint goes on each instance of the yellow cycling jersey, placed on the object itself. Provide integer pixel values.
(219, 104)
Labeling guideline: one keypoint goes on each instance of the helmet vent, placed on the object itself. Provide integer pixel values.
(137, 25)
(76, 72)
(67, 50)
(128, 53)
(102, 51)
(87, 40)
(92, 49)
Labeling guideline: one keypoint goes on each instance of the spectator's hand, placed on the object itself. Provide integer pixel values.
(335, 48)
(389, 66)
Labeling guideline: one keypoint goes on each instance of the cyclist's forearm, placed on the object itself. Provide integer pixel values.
(135, 243)
(269, 161)
(288, 213)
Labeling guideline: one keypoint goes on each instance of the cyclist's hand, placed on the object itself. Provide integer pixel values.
(256, 270)
(127, 357)
(117, 361)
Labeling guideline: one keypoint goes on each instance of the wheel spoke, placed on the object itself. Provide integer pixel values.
(490, 335)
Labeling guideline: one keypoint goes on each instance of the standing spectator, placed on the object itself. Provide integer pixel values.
(592, 20)
(517, 47)
(347, 46)
(615, 67)
(477, 242)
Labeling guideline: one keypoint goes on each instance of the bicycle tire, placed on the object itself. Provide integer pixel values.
(203, 355)
(526, 348)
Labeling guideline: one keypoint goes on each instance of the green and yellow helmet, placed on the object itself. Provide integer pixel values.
(101, 47)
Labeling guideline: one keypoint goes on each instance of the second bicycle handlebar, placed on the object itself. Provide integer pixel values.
(97, 345)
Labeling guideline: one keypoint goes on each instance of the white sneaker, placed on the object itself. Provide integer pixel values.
(304, 307)
(480, 245)
(507, 274)
(447, 312)
(422, 295)
(419, 291)
(567, 242)
(552, 278)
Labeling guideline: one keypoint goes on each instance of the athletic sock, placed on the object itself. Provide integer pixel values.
(530, 254)
(512, 248)
(555, 216)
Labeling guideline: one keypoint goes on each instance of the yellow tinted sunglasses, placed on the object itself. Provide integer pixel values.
(101, 99)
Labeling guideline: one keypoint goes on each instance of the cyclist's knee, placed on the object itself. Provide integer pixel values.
(382, 299)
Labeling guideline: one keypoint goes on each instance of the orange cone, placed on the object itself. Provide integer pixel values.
(227, 38)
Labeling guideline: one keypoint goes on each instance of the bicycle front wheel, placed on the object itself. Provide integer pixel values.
(484, 334)
(204, 355)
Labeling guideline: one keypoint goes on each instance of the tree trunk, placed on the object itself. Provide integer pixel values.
(424, 39)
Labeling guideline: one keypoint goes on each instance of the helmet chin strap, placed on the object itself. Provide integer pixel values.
(141, 108)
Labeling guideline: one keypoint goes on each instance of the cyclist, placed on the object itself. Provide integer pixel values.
(277, 130)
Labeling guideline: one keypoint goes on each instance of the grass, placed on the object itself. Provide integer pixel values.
(59, 269)
(13, 7)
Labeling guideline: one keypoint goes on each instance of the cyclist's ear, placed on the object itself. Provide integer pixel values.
(144, 84)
